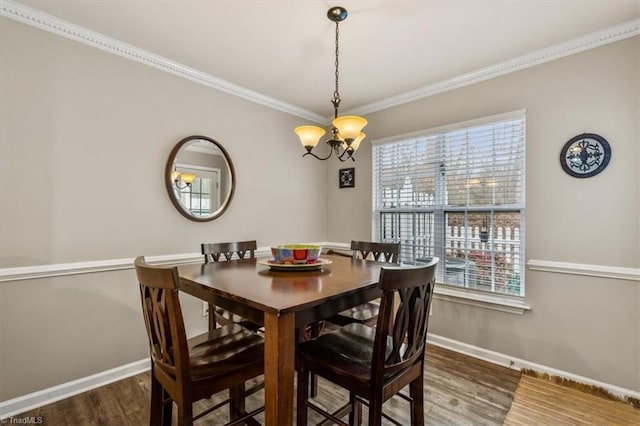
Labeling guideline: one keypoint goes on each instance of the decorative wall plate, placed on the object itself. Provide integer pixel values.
(347, 178)
(585, 155)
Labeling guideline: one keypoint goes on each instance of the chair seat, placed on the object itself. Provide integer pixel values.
(223, 351)
(366, 313)
(346, 352)
(362, 313)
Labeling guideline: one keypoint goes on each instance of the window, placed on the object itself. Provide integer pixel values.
(203, 196)
(458, 193)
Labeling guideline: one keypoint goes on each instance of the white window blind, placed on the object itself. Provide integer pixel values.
(457, 193)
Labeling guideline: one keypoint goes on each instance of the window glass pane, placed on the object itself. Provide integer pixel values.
(483, 251)
(414, 231)
(206, 185)
(484, 164)
(458, 195)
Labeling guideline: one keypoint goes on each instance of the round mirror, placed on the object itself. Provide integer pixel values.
(200, 178)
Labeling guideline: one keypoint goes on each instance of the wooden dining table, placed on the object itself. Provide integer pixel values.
(282, 301)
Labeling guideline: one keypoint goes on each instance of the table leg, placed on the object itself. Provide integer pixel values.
(279, 334)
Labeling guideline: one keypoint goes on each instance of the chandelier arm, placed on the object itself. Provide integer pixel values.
(349, 155)
(315, 156)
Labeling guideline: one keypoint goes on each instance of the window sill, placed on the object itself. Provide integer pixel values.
(502, 303)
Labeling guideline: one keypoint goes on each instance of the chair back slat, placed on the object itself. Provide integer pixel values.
(163, 318)
(380, 252)
(401, 335)
(215, 252)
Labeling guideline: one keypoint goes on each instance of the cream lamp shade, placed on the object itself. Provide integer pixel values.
(356, 143)
(309, 135)
(349, 126)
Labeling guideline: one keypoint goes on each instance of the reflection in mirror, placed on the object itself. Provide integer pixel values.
(200, 178)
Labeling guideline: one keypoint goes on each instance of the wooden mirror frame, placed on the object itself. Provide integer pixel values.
(169, 181)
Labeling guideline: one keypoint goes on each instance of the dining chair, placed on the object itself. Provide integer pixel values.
(367, 313)
(217, 252)
(184, 370)
(374, 364)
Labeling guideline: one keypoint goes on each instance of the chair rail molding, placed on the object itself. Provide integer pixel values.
(75, 268)
(602, 271)
(38, 19)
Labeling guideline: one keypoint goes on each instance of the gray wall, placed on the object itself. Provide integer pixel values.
(84, 143)
(85, 136)
(585, 325)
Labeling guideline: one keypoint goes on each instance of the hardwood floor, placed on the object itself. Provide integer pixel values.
(459, 390)
(540, 401)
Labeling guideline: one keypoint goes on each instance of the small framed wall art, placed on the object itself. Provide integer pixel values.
(347, 178)
(585, 155)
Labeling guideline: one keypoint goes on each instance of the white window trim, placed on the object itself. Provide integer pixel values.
(512, 115)
(449, 293)
(497, 302)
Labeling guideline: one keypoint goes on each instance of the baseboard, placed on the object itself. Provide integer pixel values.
(37, 399)
(521, 364)
(28, 402)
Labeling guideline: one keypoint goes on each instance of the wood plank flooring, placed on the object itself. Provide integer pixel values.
(459, 390)
(539, 401)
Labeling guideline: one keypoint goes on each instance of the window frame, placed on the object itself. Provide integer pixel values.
(488, 299)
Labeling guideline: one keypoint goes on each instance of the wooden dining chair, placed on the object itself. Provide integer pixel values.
(374, 364)
(217, 252)
(367, 313)
(184, 370)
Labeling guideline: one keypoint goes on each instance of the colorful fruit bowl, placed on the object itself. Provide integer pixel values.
(296, 254)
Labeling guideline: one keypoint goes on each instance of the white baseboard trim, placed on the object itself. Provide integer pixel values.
(521, 364)
(37, 399)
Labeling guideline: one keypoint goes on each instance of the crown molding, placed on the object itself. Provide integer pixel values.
(38, 19)
(576, 45)
(43, 21)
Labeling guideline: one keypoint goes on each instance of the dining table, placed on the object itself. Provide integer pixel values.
(283, 299)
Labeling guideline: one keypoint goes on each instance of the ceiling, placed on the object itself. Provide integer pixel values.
(284, 49)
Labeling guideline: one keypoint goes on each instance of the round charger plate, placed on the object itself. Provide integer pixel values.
(295, 267)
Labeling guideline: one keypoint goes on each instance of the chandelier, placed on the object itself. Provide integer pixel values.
(347, 129)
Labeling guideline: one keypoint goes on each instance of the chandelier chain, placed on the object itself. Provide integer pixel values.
(346, 130)
(336, 94)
